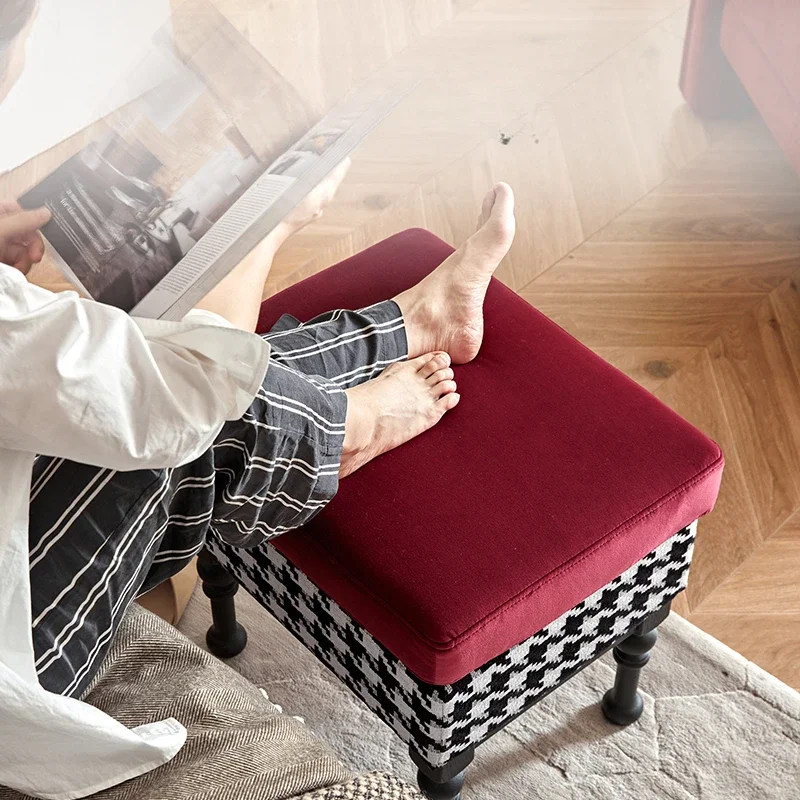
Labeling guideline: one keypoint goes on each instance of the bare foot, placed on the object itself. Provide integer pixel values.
(402, 402)
(445, 310)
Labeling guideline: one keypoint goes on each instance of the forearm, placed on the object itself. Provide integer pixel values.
(87, 382)
(237, 297)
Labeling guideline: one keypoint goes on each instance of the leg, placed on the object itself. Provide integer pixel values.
(342, 348)
(94, 536)
(237, 297)
(310, 363)
(623, 704)
(292, 445)
(226, 637)
(340, 352)
(280, 464)
(100, 538)
(446, 782)
(444, 311)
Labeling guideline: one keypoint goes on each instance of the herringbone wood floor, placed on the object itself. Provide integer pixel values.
(669, 247)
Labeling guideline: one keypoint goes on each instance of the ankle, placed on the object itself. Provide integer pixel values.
(359, 425)
(417, 318)
(360, 433)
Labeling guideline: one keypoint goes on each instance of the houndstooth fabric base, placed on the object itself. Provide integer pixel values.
(441, 722)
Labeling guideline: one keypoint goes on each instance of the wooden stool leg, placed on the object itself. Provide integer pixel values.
(623, 704)
(446, 782)
(226, 637)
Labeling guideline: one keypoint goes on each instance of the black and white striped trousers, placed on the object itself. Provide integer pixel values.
(99, 538)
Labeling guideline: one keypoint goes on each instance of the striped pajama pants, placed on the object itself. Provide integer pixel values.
(99, 538)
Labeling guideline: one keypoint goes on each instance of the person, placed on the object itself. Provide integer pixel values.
(150, 436)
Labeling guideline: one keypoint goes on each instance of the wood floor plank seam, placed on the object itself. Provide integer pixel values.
(608, 58)
(653, 190)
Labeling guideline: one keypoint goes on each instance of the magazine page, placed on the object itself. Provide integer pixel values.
(135, 201)
(272, 196)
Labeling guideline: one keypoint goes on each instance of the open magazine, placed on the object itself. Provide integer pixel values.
(181, 184)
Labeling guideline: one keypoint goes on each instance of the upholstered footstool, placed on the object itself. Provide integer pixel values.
(457, 580)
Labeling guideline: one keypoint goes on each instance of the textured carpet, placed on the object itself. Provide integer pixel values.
(715, 726)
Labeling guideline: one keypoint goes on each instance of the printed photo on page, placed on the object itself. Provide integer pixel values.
(178, 185)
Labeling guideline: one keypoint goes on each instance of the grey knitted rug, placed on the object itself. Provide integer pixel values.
(715, 726)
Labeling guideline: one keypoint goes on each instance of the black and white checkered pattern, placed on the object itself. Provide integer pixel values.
(444, 721)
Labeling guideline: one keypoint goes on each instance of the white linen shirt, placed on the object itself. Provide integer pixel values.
(86, 382)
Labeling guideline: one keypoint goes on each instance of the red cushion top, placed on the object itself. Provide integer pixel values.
(553, 476)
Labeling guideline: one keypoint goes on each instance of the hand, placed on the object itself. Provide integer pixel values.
(21, 244)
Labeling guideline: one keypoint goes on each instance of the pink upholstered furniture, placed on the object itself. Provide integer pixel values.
(737, 49)
(455, 581)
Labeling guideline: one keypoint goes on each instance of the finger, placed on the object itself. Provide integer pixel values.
(36, 249)
(23, 224)
(9, 207)
(22, 262)
(12, 253)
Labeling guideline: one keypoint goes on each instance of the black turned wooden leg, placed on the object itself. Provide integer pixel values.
(623, 704)
(446, 782)
(226, 637)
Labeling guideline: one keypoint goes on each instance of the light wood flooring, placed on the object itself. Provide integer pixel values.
(670, 247)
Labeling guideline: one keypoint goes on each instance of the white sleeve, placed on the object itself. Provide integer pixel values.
(85, 381)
